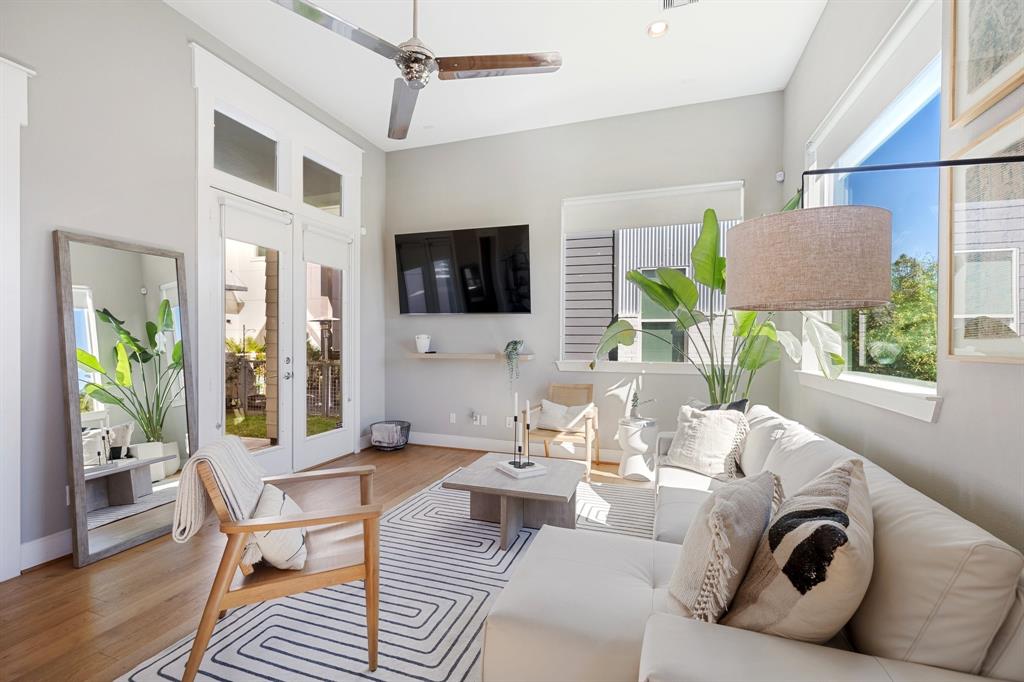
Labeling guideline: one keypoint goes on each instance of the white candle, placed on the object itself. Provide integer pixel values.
(515, 410)
(527, 412)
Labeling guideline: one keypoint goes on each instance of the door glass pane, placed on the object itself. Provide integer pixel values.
(323, 349)
(321, 187)
(251, 338)
(243, 152)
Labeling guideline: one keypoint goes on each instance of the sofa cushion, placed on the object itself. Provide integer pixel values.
(766, 427)
(941, 587)
(674, 512)
(676, 477)
(577, 604)
(1005, 658)
(799, 455)
(813, 564)
(720, 543)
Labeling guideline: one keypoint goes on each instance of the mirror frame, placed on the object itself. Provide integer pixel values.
(62, 240)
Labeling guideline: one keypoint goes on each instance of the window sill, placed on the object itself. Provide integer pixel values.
(627, 367)
(918, 401)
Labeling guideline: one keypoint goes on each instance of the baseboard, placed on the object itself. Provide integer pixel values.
(47, 548)
(364, 441)
(448, 440)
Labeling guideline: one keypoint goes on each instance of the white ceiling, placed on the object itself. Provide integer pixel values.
(715, 49)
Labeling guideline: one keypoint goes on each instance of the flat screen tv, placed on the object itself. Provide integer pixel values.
(484, 270)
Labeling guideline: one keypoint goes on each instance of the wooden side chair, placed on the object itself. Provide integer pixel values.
(569, 394)
(342, 546)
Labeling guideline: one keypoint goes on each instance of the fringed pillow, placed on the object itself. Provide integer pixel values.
(709, 443)
(284, 548)
(813, 565)
(720, 543)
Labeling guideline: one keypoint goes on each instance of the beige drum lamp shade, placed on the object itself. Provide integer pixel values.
(829, 258)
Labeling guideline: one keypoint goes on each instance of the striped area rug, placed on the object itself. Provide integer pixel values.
(440, 572)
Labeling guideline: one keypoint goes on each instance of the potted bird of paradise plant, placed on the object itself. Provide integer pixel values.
(146, 378)
(727, 365)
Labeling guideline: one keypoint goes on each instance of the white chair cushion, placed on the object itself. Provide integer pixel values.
(766, 427)
(555, 417)
(708, 442)
(719, 544)
(576, 607)
(283, 548)
(813, 564)
(675, 510)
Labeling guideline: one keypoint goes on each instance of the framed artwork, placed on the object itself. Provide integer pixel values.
(986, 250)
(987, 55)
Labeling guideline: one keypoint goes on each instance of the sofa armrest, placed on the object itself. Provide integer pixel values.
(677, 648)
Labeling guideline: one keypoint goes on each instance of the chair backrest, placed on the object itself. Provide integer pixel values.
(571, 394)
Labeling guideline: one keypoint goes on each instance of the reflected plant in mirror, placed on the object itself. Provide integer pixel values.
(147, 398)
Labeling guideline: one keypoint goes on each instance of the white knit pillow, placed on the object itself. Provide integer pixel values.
(708, 442)
(558, 417)
(720, 543)
(283, 548)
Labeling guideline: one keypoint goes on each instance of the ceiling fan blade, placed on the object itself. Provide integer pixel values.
(486, 66)
(341, 27)
(403, 101)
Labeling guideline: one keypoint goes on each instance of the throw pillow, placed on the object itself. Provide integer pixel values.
(720, 543)
(738, 405)
(708, 442)
(813, 564)
(284, 548)
(557, 417)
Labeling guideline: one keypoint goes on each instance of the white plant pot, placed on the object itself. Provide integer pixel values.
(150, 451)
(422, 343)
(171, 466)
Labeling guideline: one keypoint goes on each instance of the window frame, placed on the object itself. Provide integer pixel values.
(670, 320)
(91, 331)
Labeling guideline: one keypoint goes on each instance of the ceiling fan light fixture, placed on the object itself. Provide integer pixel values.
(657, 29)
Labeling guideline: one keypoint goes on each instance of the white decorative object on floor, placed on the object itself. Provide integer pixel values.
(151, 451)
(527, 472)
(636, 437)
(385, 434)
(171, 466)
(422, 343)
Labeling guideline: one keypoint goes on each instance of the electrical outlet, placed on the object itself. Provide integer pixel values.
(509, 423)
(483, 420)
(476, 419)
(451, 417)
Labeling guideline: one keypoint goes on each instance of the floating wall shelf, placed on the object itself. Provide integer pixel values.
(464, 356)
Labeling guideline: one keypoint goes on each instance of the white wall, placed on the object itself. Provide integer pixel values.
(111, 150)
(522, 178)
(972, 460)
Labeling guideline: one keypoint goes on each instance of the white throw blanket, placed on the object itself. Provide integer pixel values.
(240, 481)
(386, 435)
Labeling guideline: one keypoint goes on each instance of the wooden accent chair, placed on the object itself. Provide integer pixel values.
(568, 394)
(339, 550)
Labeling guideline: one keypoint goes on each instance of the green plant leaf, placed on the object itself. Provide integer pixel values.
(660, 294)
(793, 203)
(101, 394)
(759, 351)
(164, 317)
(688, 318)
(176, 355)
(682, 287)
(790, 343)
(743, 322)
(826, 343)
(619, 332)
(151, 333)
(123, 371)
(108, 317)
(708, 265)
(89, 360)
(138, 351)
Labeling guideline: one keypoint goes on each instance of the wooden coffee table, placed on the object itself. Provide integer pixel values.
(516, 503)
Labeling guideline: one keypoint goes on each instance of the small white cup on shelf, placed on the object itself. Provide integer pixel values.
(422, 343)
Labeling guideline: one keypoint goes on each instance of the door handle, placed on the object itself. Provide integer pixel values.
(287, 375)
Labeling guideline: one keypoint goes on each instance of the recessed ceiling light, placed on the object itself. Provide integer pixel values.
(657, 29)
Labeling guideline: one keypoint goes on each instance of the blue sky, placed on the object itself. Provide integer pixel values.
(911, 195)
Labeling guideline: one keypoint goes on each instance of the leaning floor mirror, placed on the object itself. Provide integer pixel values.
(127, 387)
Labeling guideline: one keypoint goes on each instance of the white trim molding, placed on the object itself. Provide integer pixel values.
(13, 117)
(46, 548)
(914, 399)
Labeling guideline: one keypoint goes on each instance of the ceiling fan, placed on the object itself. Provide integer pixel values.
(416, 61)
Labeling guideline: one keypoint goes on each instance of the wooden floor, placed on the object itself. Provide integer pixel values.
(96, 623)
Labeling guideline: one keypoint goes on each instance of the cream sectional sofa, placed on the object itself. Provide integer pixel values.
(946, 599)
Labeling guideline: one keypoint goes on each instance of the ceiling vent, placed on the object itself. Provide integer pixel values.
(672, 4)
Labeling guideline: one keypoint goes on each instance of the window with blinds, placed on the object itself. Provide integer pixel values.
(596, 291)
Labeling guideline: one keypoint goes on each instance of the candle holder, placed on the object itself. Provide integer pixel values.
(517, 448)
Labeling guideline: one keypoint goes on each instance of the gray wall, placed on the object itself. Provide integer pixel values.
(522, 178)
(972, 460)
(110, 149)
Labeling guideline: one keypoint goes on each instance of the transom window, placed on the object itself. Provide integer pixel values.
(243, 152)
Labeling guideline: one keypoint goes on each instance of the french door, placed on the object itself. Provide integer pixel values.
(284, 384)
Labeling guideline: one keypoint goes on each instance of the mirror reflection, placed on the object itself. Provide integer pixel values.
(131, 390)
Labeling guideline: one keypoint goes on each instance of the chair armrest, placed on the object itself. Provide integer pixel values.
(319, 474)
(303, 520)
(677, 648)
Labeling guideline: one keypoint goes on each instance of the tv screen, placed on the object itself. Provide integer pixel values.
(485, 270)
